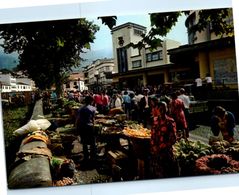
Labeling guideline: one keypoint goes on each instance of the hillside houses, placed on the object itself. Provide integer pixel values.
(9, 83)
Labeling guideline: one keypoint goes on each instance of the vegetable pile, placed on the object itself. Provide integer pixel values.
(224, 147)
(65, 181)
(187, 152)
(216, 164)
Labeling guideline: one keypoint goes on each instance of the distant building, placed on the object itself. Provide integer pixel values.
(98, 75)
(25, 84)
(75, 82)
(137, 68)
(12, 84)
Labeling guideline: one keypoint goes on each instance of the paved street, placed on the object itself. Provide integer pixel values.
(205, 133)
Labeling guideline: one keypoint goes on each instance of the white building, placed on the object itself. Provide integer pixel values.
(12, 84)
(75, 82)
(134, 67)
(7, 80)
(98, 75)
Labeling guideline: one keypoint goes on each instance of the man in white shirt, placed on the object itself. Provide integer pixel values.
(185, 98)
(198, 82)
(208, 80)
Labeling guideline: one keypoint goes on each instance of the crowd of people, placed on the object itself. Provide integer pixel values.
(166, 115)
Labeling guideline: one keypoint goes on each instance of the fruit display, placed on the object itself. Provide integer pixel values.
(105, 122)
(137, 131)
(65, 181)
(228, 148)
(187, 152)
(216, 164)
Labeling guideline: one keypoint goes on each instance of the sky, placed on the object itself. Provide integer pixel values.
(102, 46)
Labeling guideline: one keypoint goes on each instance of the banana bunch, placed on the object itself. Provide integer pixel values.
(225, 147)
(220, 147)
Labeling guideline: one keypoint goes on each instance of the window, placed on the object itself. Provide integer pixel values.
(154, 56)
(122, 59)
(107, 68)
(136, 64)
(138, 32)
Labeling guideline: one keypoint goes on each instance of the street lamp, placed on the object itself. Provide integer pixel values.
(97, 80)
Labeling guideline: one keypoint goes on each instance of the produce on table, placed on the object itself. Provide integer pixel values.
(65, 181)
(115, 111)
(216, 164)
(136, 130)
(224, 147)
(187, 152)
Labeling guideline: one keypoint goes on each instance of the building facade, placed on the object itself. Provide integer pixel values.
(10, 83)
(207, 53)
(98, 75)
(75, 82)
(137, 68)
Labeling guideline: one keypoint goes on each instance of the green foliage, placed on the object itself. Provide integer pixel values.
(219, 20)
(12, 119)
(110, 21)
(162, 23)
(56, 162)
(49, 48)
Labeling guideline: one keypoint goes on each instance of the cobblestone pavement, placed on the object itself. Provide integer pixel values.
(205, 130)
(92, 176)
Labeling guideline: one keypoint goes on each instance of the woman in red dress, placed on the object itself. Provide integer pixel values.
(177, 112)
(163, 137)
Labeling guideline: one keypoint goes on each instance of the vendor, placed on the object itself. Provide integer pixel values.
(163, 137)
(85, 128)
(223, 121)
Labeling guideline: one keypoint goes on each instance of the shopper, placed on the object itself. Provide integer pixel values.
(98, 100)
(177, 113)
(144, 106)
(163, 137)
(186, 101)
(85, 128)
(127, 104)
(105, 103)
(223, 121)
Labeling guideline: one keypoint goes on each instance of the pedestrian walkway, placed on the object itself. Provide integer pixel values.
(198, 138)
(208, 133)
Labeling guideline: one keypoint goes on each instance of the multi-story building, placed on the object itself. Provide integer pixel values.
(25, 84)
(134, 67)
(11, 84)
(98, 75)
(207, 53)
(8, 81)
(75, 82)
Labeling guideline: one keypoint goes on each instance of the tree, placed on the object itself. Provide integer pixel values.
(48, 49)
(162, 23)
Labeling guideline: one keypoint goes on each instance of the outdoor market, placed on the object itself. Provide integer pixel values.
(52, 153)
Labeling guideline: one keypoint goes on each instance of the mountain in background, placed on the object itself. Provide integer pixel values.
(93, 55)
(8, 61)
